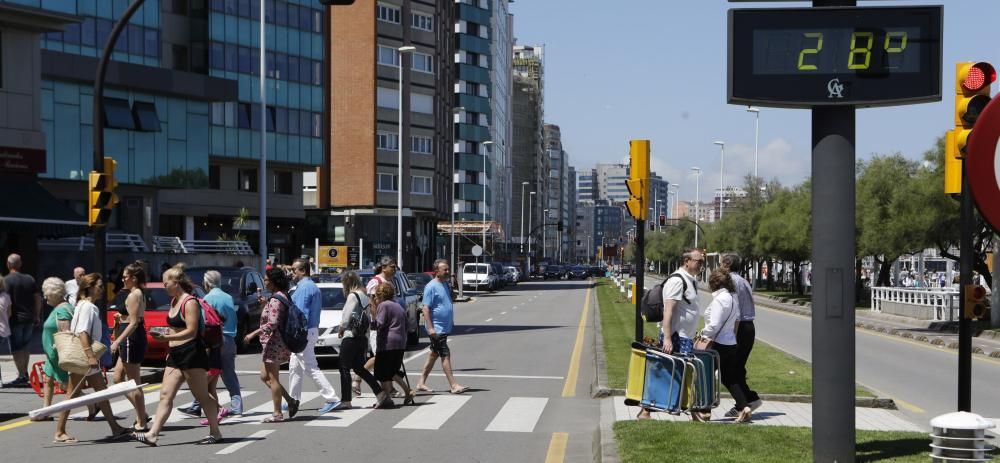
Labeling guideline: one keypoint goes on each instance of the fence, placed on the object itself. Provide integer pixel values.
(938, 304)
(161, 244)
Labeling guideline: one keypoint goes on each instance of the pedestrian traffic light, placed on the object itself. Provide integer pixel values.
(663, 220)
(975, 302)
(638, 182)
(972, 93)
(102, 196)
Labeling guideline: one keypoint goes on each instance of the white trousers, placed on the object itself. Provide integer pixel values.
(304, 364)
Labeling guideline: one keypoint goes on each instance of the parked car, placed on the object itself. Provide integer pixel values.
(406, 296)
(480, 277)
(419, 280)
(597, 271)
(578, 272)
(328, 342)
(511, 274)
(242, 284)
(554, 272)
(157, 306)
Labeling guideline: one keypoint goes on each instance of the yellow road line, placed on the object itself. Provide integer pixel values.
(557, 448)
(569, 389)
(18, 424)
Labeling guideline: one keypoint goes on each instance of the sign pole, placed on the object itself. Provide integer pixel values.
(640, 263)
(966, 226)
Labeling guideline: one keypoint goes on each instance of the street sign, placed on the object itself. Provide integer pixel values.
(333, 256)
(841, 56)
(477, 250)
(981, 164)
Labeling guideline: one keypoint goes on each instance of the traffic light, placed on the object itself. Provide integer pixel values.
(663, 220)
(972, 93)
(638, 182)
(102, 196)
(975, 302)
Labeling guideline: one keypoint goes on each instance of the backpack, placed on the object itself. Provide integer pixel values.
(651, 305)
(295, 327)
(361, 318)
(209, 323)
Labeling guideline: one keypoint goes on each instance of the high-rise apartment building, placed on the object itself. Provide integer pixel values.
(586, 185)
(726, 200)
(373, 113)
(530, 163)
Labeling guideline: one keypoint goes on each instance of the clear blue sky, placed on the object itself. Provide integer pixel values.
(656, 69)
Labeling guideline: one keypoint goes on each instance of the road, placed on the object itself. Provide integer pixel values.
(921, 378)
(513, 348)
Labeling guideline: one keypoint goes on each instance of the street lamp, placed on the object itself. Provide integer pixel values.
(531, 213)
(485, 157)
(399, 148)
(756, 133)
(722, 174)
(545, 243)
(697, 193)
(457, 111)
(522, 216)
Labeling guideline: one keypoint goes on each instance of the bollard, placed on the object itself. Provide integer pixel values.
(959, 436)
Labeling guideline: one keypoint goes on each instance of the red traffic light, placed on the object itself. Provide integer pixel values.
(978, 292)
(981, 75)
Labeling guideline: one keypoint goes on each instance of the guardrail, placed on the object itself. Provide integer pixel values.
(114, 241)
(161, 244)
(938, 304)
(218, 247)
(168, 244)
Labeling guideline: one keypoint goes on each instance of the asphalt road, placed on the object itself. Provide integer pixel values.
(513, 348)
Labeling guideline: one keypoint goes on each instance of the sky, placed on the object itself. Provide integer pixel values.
(656, 69)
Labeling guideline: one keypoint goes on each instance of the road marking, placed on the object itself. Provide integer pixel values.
(122, 405)
(433, 413)
(503, 313)
(458, 375)
(345, 418)
(257, 414)
(519, 414)
(17, 424)
(901, 403)
(557, 448)
(489, 320)
(569, 389)
(418, 354)
(259, 435)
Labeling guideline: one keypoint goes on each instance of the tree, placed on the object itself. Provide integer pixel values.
(785, 226)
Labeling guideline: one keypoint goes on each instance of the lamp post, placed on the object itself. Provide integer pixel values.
(697, 192)
(722, 174)
(457, 111)
(399, 145)
(545, 242)
(531, 213)
(756, 134)
(522, 217)
(486, 156)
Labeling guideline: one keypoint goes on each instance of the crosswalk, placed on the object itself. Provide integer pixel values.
(517, 414)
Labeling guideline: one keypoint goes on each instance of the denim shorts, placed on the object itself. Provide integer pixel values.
(681, 345)
(20, 335)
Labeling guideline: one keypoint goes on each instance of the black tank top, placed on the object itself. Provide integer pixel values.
(177, 321)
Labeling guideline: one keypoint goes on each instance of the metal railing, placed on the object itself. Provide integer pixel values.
(161, 244)
(218, 247)
(168, 244)
(942, 301)
(116, 241)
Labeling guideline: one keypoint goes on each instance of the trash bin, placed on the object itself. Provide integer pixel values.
(960, 437)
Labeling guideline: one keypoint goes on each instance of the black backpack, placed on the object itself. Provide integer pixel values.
(360, 320)
(651, 305)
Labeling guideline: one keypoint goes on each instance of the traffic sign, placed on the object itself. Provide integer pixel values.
(477, 250)
(981, 164)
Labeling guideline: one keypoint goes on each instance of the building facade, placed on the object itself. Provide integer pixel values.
(373, 112)
(727, 200)
(586, 185)
(530, 164)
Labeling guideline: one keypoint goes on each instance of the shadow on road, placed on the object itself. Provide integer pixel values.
(481, 329)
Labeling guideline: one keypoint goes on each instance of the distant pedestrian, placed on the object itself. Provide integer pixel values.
(307, 297)
(440, 318)
(746, 333)
(86, 325)
(355, 321)
(54, 292)
(274, 350)
(73, 285)
(390, 337)
(26, 309)
(4, 316)
(680, 310)
(187, 360)
(130, 341)
(720, 326)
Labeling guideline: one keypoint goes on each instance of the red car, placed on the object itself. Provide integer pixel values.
(157, 306)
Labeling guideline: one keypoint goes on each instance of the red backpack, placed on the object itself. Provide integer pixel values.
(209, 323)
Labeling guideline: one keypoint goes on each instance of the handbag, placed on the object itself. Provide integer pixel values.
(72, 358)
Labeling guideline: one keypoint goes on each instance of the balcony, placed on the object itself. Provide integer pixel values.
(472, 162)
(471, 192)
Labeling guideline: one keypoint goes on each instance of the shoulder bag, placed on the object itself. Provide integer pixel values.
(72, 358)
(703, 343)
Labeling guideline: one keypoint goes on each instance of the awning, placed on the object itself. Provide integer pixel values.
(27, 207)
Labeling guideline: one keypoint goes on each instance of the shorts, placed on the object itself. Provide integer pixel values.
(439, 345)
(188, 355)
(387, 364)
(133, 350)
(20, 335)
(681, 344)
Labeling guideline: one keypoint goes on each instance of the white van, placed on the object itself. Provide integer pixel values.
(480, 277)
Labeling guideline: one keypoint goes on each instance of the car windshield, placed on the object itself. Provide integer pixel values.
(476, 268)
(230, 279)
(333, 298)
(421, 278)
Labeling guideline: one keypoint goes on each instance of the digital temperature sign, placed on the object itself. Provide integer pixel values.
(804, 57)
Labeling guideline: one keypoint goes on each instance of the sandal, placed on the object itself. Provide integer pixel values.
(424, 388)
(124, 434)
(141, 438)
(293, 408)
(274, 419)
(66, 440)
(460, 390)
(409, 400)
(387, 403)
(210, 440)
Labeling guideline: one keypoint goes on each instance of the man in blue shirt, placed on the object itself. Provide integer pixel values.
(222, 302)
(440, 320)
(307, 297)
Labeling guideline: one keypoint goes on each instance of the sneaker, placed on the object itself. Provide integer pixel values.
(223, 413)
(329, 406)
(732, 413)
(755, 405)
(190, 411)
(293, 408)
(20, 381)
(284, 407)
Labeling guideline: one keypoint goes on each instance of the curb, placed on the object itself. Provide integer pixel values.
(863, 402)
(605, 449)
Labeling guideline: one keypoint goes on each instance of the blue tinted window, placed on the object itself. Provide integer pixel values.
(231, 7)
(293, 121)
(243, 116)
(231, 57)
(305, 71)
(293, 16)
(281, 13)
(103, 31)
(269, 11)
(255, 10)
(244, 8)
(305, 18)
(305, 123)
(282, 65)
(145, 117)
(117, 114)
(88, 32)
(317, 21)
(317, 72)
(135, 39)
(72, 33)
(244, 60)
(152, 45)
(293, 69)
(317, 124)
(281, 120)
(217, 5)
(122, 44)
(54, 35)
(216, 56)
(270, 64)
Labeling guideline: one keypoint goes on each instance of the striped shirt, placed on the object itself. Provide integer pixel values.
(744, 297)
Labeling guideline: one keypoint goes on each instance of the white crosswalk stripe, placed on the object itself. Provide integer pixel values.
(259, 435)
(434, 412)
(345, 418)
(519, 414)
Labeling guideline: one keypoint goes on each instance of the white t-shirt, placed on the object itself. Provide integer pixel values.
(71, 289)
(685, 316)
(87, 319)
(4, 315)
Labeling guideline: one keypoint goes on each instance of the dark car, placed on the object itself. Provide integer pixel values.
(596, 271)
(419, 280)
(578, 271)
(554, 271)
(242, 284)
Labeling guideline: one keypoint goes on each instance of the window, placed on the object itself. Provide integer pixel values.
(247, 180)
(293, 121)
(88, 32)
(317, 125)
(243, 115)
(117, 114)
(387, 141)
(152, 46)
(387, 182)
(422, 21)
(420, 103)
(420, 185)
(145, 117)
(422, 145)
(305, 123)
(135, 39)
(388, 56)
(387, 13)
(231, 57)
(213, 177)
(387, 98)
(244, 60)
(293, 69)
(282, 183)
(423, 63)
(217, 113)
(217, 56)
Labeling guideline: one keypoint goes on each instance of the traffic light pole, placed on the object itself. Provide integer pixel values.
(965, 278)
(640, 264)
(100, 233)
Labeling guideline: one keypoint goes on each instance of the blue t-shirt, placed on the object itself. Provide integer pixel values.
(308, 299)
(223, 304)
(437, 298)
